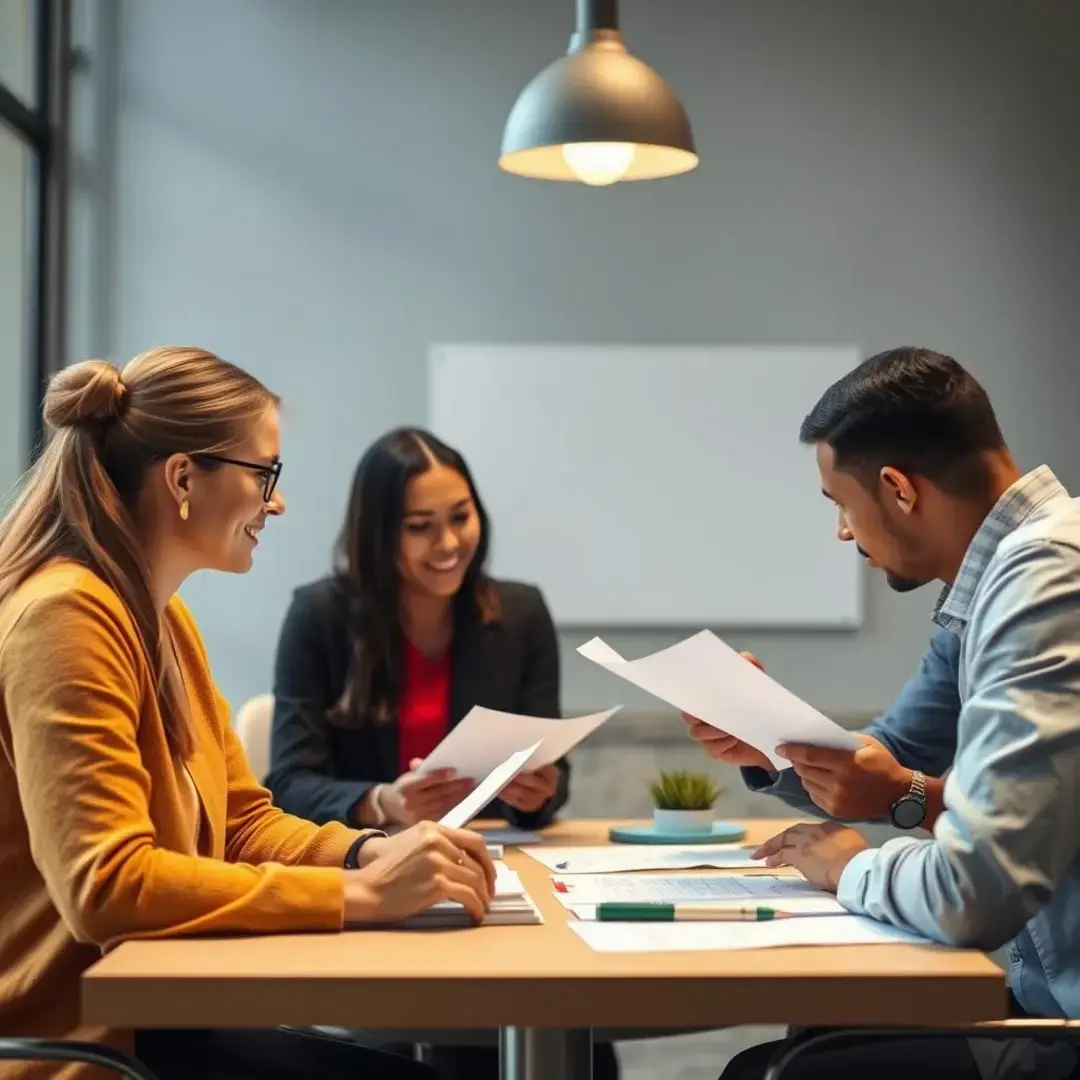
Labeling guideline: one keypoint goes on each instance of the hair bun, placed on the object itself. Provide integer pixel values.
(86, 394)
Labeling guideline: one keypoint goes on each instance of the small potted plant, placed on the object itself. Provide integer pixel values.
(683, 801)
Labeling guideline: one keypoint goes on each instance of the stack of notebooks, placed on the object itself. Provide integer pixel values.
(510, 906)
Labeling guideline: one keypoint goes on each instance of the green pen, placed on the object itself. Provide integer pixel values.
(628, 912)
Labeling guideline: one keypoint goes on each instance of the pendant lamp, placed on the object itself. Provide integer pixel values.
(597, 115)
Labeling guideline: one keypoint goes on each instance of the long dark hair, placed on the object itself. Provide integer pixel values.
(366, 563)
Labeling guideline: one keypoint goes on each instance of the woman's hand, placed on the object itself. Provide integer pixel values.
(528, 791)
(415, 797)
(424, 865)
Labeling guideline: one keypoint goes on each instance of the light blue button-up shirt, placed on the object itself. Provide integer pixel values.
(1004, 862)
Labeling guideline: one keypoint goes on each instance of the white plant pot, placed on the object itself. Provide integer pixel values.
(688, 821)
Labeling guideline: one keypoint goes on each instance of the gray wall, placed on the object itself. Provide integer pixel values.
(15, 173)
(14, 386)
(311, 189)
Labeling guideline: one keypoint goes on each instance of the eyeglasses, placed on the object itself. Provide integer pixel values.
(270, 473)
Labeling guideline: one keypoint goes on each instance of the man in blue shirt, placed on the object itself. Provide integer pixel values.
(908, 749)
(910, 452)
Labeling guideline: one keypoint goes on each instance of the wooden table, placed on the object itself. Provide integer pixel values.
(541, 985)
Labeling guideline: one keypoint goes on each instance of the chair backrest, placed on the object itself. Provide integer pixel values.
(253, 726)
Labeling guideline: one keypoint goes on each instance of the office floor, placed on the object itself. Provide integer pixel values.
(688, 1057)
(642, 749)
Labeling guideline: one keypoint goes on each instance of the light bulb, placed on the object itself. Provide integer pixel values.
(598, 163)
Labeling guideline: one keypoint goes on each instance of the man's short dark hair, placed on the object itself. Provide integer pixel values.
(913, 409)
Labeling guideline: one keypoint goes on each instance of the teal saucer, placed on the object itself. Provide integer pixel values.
(723, 832)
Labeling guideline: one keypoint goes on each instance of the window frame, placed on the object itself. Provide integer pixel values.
(43, 128)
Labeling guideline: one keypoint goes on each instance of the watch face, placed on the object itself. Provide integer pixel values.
(908, 813)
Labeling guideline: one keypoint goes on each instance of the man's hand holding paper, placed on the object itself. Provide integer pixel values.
(720, 745)
(854, 784)
(707, 679)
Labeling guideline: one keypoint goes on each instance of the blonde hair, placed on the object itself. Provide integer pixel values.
(106, 428)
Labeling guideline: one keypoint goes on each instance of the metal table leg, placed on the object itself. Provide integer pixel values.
(545, 1054)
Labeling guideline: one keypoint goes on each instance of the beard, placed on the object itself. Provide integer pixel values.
(902, 584)
(897, 582)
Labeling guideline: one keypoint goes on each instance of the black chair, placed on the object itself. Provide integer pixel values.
(87, 1053)
(1049, 1031)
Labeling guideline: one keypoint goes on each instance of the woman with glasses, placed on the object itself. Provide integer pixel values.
(127, 809)
(379, 660)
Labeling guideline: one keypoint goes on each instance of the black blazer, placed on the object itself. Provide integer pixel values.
(319, 770)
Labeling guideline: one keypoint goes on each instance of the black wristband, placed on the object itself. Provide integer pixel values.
(352, 856)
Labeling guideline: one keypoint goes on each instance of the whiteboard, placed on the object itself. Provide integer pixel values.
(653, 486)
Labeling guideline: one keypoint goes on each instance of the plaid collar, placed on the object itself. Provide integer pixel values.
(1016, 505)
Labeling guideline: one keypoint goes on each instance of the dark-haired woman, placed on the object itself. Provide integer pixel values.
(379, 660)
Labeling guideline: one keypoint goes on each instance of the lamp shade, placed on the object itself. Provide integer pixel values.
(597, 115)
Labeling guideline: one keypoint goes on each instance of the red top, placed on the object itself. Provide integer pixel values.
(424, 709)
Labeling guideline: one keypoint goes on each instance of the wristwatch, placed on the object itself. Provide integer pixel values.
(909, 811)
(352, 856)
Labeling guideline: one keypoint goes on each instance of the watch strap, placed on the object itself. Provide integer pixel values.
(918, 786)
(352, 856)
(915, 794)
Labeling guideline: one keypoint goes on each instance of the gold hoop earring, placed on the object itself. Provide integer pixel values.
(185, 509)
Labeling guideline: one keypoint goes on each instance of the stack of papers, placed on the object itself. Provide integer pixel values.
(708, 679)
(510, 906)
(617, 858)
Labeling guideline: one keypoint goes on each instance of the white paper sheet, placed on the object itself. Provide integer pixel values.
(487, 789)
(682, 889)
(707, 936)
(507, 881)
(485, 737)
(707, 678)
(617, 858)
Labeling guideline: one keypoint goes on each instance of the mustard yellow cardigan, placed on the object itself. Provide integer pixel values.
(101, 837)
